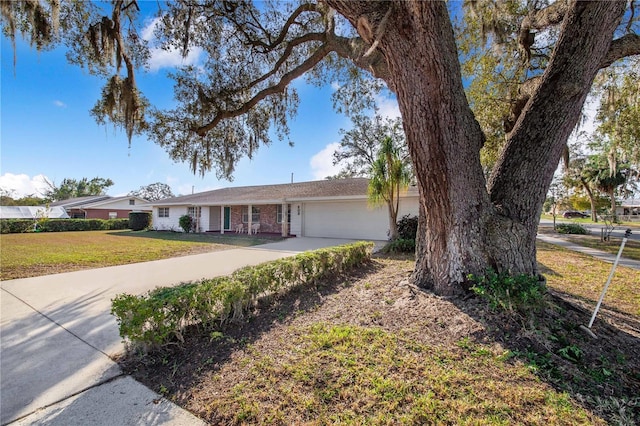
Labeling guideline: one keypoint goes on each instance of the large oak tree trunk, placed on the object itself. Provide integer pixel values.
(467, 226)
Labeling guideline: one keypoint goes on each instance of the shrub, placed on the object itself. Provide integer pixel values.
(570, 228)
(163, 314)
(16, 226)
(408, 227)
(9, 226)
(400, 246)
(506, 292)
(186, 223)
(139, 221)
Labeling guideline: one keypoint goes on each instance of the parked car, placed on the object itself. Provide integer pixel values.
(571, 215)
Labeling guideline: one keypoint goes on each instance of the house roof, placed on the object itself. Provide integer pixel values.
(630, 202)
(32, 212)
(78, 201)
(334, 189)
(110, 200)
(96, 201)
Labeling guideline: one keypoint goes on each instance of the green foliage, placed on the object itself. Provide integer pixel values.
(7, 199)
(506, 292)
(618, 114)
(400, 246)
(390, 175)
(359, 146)
(139, 221)
(163, 314)
(72, 188)
(14, 226)
(408, 227)
(571, 228)
(153, 192)
(186, 223)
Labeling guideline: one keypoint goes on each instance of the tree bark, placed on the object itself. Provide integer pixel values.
(592, 200)
(465, 228)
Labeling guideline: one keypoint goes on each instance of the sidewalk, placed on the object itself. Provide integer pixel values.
(59, 339)
(599, 254)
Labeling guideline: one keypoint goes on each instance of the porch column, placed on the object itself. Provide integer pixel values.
(285, 219)
(249, 217)
(221, 219)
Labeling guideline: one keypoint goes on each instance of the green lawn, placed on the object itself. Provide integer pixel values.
(33, 254)
(584, 276)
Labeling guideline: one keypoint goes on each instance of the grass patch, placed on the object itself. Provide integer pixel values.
(631, 248)
(584, 276)
(369, 348)
(329, 374)
(34, 254)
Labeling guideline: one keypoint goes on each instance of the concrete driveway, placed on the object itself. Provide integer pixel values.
(58, 338)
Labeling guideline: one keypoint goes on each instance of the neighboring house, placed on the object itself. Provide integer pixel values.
(102, 206)
(32, 212)
(336, 208)
(629, 209)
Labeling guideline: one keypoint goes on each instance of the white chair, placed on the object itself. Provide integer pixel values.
(239, 228)
(255, 228)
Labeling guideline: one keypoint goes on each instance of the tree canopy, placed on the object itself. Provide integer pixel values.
(72, 188)
(360, 145)
(540, 58)
(153, 192)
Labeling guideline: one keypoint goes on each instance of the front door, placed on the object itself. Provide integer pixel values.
(227, 218)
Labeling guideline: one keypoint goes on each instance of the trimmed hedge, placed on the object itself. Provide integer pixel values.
(139, 221)
(570, 228)
(15, 226)
(162, 315)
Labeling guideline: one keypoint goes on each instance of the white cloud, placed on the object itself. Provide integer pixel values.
(22, 185)
(322, 162)
(387, 107)
(161, 58)
(172, 58)
(335, 85)
(59, 104)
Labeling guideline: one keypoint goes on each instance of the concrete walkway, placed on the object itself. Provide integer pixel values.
(599, 254)
(58, 339)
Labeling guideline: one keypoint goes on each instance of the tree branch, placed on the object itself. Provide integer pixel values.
(308, 7)
(287, 53)
(355, 49)
(622, 47)
(287, 78)
(540, 19)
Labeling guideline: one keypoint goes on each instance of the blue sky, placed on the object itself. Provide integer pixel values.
(46, 130)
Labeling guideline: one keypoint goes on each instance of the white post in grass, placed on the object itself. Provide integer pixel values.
(613, 269)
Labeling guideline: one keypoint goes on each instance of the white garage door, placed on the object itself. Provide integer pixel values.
(353, 219)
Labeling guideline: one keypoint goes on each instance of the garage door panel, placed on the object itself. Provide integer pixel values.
(345, 220)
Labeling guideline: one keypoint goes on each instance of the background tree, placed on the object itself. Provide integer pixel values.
(72, 188)
(597, 172)
(227, 105)
(359, 146)
(153, 192)
(618, 118)
(390, 176)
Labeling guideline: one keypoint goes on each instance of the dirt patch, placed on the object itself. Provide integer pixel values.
(597, 373)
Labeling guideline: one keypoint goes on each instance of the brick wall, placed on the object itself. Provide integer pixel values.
(267, 218)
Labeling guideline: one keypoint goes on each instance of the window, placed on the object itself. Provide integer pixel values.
(163, 211)
(255, 215)
(279, 213)
(132, 202)
(194, 212)
(113, 215)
